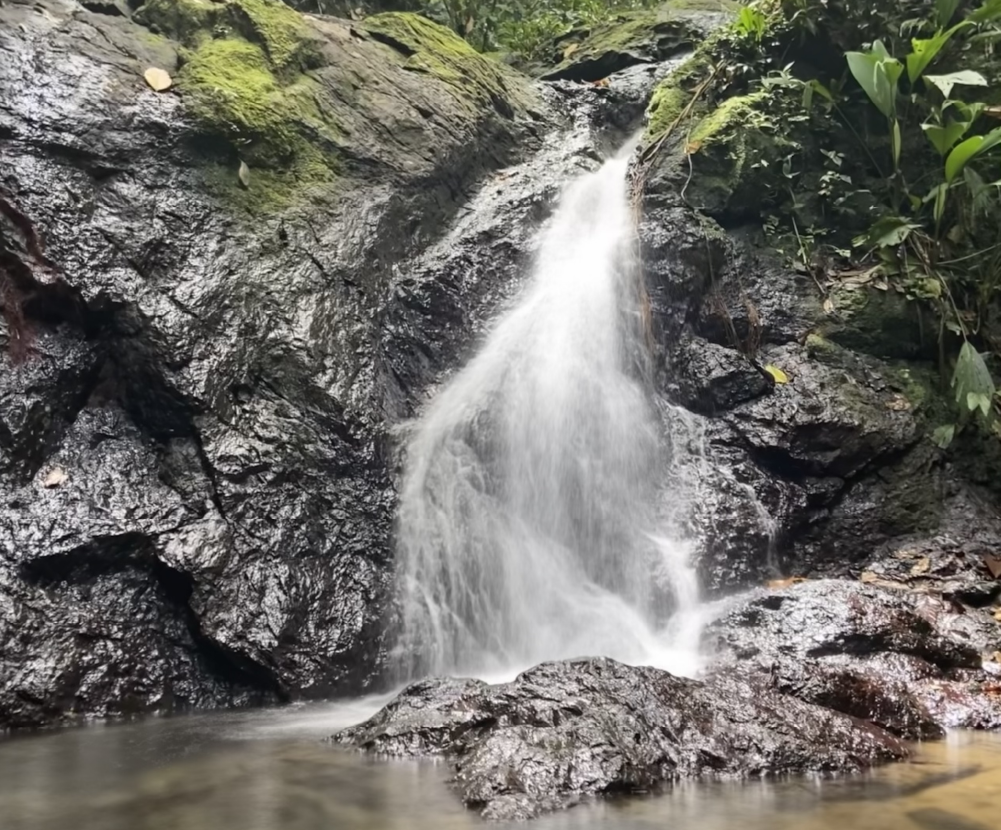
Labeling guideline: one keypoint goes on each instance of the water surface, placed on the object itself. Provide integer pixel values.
(270, 770)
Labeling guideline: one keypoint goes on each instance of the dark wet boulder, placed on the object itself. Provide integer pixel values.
(564, 731)
(713, 378)
(911, 663)
(195, 360)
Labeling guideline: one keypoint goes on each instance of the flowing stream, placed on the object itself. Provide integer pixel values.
(530, 527)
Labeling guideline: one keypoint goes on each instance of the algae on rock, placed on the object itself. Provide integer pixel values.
(301, 100)
(442, 54)
(589, 53)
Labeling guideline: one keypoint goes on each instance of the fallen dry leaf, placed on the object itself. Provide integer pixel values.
(693, 147)
(55, 477)
(869, 576)
(573, 47)
(778, 584)
(244, 174)
(898, 404)
(601, 83)
(997, 614)
(158, 79)
(921, 566)
(829, 305)
(993, 564)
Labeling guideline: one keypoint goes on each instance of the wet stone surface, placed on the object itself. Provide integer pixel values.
(913, 663)
(568, 730)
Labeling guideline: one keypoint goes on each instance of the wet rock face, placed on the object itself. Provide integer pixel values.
(568, 730)
(811, 475)
(198, 379)
(911, 663)
(199, 385)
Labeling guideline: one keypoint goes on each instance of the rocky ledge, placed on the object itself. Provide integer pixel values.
(567, 730)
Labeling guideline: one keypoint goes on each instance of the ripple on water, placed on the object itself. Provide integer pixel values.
(270, 771)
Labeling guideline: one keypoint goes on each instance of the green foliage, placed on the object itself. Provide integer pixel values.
(890, 168)
(752, 23)
(527, 28)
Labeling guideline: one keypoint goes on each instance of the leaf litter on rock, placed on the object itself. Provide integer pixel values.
(56, 476)
(777, 374)
(158, 79)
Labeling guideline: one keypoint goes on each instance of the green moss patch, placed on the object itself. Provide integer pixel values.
(590, 54)
(730, 150)
(243, 78)
(440, 52)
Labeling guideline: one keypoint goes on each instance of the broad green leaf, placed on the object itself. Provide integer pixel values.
(821, 90)
(807, 97)
(943, 435)
(925, 51)
(863, 69)
(945, 83)
(972, 378)
(944, 138)
(990, 10)
(975, 401)
(940, 193)
(873, 75)
(945, 10)
(895, 143)
(966, 151)
(890, 231)
(967, 112)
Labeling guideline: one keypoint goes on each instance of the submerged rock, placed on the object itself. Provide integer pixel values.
(564, 731)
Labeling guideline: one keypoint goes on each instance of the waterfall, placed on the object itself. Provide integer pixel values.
(532, 522)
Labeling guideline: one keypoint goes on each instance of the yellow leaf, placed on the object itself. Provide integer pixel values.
(244, 174)
(997, 614)
(158, 79)
(693, 147)
(921, 566)
(869, 576)
(777, 374)
(573, 47)
(829, 305)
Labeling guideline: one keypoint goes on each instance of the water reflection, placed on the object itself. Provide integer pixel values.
(268, 771)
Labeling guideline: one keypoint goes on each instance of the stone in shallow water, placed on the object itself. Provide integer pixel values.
(566, 730)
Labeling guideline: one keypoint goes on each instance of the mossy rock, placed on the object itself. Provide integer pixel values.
(728, 152)
(676, 97)
(630, 38)
(243, 78)
(883, 323)
(298, 100)
(439, 52)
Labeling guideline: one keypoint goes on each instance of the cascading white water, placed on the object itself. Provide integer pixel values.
(529, 527)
